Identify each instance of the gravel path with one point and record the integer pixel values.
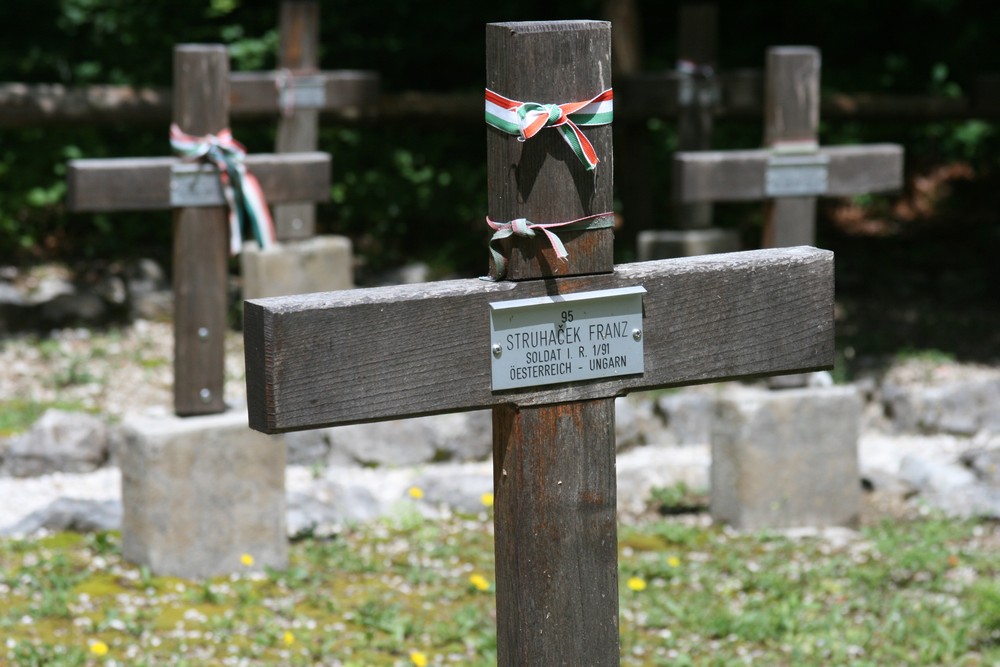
(124, 370)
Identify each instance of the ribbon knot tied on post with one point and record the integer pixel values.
(241, 188)
(525, 228)
(526, 119)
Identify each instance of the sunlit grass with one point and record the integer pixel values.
(410, 591)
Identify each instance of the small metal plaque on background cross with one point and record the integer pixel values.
(305, 92)
(195, 185)
(796, 175)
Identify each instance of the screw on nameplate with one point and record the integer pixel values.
(566, 338)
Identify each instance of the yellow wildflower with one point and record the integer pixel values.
(636, 584)
(416, 492)
(247, 560)
(419, 659)
(99, 648)
(674, 561)
(479, 581)
(487, 499)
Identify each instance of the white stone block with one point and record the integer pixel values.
(785, 459)
(199, 492)
(318, 264)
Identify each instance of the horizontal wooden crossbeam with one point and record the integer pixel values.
(721, 176)
(372, 354)
(339, 90)
(144, 184)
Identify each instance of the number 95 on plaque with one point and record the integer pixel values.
(566, 338)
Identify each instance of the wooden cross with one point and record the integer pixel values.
(696, 89)
(201, 237)
(792, 170)
(699, 94)
(300, 91)
(524, 345)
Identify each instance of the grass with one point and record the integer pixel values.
(17, 415)
(405, 590)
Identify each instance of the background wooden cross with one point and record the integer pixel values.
(792, 169)
(299, 91)
(699, 94)
(385, 353)
(696, 87)
(201, 237)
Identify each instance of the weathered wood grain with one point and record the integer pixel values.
(697, 48)
(569, 534)
(298, 128)
(256, 93)
(553, 62)
(347, 91)
(298, 34)
(370, 354)
(384, 353)
(740, 175)
(556, 538)
(201, 233)
(201, 74)
(791, 98)
(143, 184)
(791, 116)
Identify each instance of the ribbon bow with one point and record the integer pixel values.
(241, 188)
(524, 228)
(526, 119)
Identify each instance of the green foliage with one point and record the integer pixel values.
(405, 193)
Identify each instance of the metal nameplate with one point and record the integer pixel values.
(305, 92)
(566, 338)
(796, 175)
(195, 185)
(697, 90)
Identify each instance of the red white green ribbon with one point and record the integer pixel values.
(241, 188)
(525, 228)
(526, 119)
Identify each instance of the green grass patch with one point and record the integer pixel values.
(915, 593)
(928, 356)
(17, 414)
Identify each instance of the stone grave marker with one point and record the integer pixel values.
(192, 501)
(298, 91)
(549, 347)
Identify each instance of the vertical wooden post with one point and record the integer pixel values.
(541, 179)
(554, 466)
(635, 182)
(556, 534)
(791, 122)
(201, 241)
(299, 53)
(697, 56)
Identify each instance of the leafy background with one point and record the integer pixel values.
(417, 192)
